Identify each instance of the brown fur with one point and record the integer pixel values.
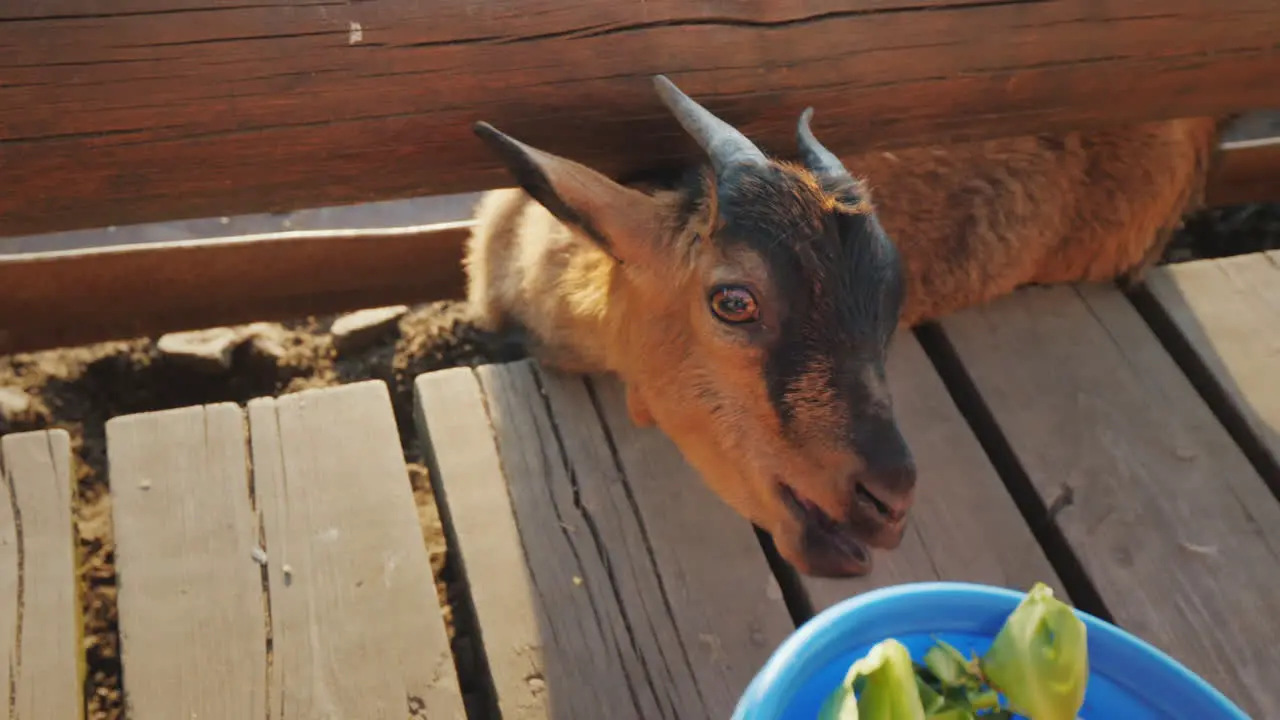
(971, 222)
(974, 222)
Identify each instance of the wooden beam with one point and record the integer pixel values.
(357, 630)
(281, 577)
(40, 618)
(146, 289)
(1249, 172)
(191, 608)
(165, 109)
(1218, 319)
(71, 298)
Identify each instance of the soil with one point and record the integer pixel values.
(80, 388)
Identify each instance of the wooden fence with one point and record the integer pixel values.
(151, 110)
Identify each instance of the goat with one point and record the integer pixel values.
(748, 304)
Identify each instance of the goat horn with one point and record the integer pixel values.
(720, 140)
(819, 160)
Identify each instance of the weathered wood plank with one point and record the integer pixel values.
(1248, 171)
(152, 289)
(39, 604)
(357, 630)
(470, 490)
(1228, 311)
(168, 109)
(193, 618)
(607, 580)
(1179, 535)
(964, 526)
(1254, 125)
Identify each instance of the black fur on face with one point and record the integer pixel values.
(838, 288)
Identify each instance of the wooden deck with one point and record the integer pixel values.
(271, 563)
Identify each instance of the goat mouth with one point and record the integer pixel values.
(876, 507)
(820, 528)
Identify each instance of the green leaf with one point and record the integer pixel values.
(1039, 660)
(952, 651)
(880, 686)
(945, 666)
(930, 699)
(984, 699)
(840, 705)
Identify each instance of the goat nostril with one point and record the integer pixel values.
(885, 510)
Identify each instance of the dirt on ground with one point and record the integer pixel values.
(79, 389)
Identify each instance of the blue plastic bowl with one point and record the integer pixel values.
(1128, 677)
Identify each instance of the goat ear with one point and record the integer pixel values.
(619, 219)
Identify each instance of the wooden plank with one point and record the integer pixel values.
(171, 109)
(1248, 171)
(354, 625)
(607, 580)
(40, 622)
(193, 619)
(152, 289)
(357, 630)
(398, 216)
(1254, 125)
(1228, 311)
(964, 525)
(1179, 535)
(470, 490)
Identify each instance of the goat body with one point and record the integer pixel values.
(787, 416)
(975, 222)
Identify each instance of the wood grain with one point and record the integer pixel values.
(1178, 534)
(1228, 311)
(964, 525)
(357, 630)
(193, 617)
(471, 493)
(40, 623)
(168, 109)
(146, 290)
(575, 529)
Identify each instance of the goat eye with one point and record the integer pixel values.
(734, 305)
